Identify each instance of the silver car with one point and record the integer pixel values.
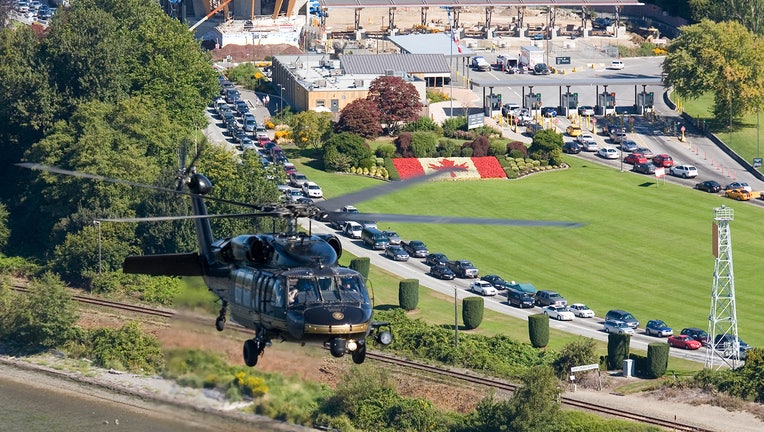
(618, 327)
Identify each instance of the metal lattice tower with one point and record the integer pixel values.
(722, 320)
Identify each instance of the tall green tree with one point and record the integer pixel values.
(536, 405)
(5, 231)
(724, 58)
(749, 13)
(46, 317)
(311, 128)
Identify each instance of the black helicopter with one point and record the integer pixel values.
(285, 286)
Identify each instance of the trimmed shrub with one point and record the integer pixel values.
(472, 312)
(640, 364)
(466, 152)
(497, 149)
(538, 330)
(617, 350)
(657, 359)
(408, 294)
(385, 151)
(391, 170)
(361, 265)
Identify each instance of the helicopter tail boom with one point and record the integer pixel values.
(186, 264)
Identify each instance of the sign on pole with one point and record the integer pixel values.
(585, 367)
(475, 120)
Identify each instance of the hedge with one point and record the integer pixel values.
(472, 312)
(657, 359)
(617, 350)
(538, 330)
(408, 294)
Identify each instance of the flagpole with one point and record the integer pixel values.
(451, 62)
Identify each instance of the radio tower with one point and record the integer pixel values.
(722, 320)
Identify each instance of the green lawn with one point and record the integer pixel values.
(644, 248)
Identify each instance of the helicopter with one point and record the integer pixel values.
(286, 285)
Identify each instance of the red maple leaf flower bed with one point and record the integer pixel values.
(408, 167)
(489, 167)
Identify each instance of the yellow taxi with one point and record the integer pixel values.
(573, 130)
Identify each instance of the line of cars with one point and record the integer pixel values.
(740, 191)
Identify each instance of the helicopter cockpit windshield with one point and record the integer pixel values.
(326, 289)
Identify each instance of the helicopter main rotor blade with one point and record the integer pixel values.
(187, 217)
(383, 189)
(387, 217)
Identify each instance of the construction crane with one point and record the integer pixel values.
(213, 12)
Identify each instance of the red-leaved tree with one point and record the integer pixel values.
(397, 101)
(360, 117)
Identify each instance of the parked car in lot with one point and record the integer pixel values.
(607, 153)
(708, 186)
(739, 185)
(519, 298)
(617, 327)
(396, 253)
(581, 310)
(628, 145)
(463, 268)
(573, 130)
(352, 229)
(684, 171)
(434, 259)
(622, 315)
(571, 147)
(699, 335)
(634, 158)
(738, 194)
(644, 168)
(560, 313)
(550, 298)
(663, 160)
(415, 248)
(483, 288)
(440, 271)
(392, 237)
(497, 281)
(586, 110)
(658, 328)
(683, 341)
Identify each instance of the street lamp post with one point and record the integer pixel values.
(758, 155)
(281, 98)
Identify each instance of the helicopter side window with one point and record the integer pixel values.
(278, 298)
(350, 290)
(329, 291)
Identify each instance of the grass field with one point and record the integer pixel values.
(643, 248)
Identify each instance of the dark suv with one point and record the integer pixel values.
(546, 298)
(699, 335)
(463, 269)
(622, 315)
(519, 298)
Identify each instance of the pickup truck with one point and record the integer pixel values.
(479, 63)
(463, 269)
(415, 248)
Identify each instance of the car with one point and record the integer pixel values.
(644, 151)
(634, 158)
(509, 109)
(739, 185)
(608, 153)
(532, 128)
(548, 112)
(352, 229)
(617, 327)
(537, 36)
(434, 259)
(249, 122)
(497, 281)
(616, 65)
(587, 141)
(699, 335)
(581, 310)
(288, 167)
(663, 160)
(293, 194)
(683, 341)
(573, 130)
(463, 268)
(241, 107)
(483, 288)
(247, 144)
(440, 271)
(586, 110)
(658, 328)
(738, 194)
(519, 298)
(541, 69)
(396, 253)
(392, 237)
(644, 168)
(708, 186)
(416, 248)
(524, 287)
(618, 136)
(725, 343)
(522, 116)
(684, 171)
(550, 298)
(571, 147)
(312, 190)
(560, 313)
(622, 315)
(296, 179)
(628, 145)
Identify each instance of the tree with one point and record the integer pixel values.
(546, 143)
(397, 101)
(47, 316)
(749, 13)
(345, 150)
(311, 128)
(5, 232)
(576, 353)
(423, 144)
(723, 58)
(360, 117)
(536, 404)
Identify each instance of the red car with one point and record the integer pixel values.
(634, 158)
(663, 160)
(683, 341)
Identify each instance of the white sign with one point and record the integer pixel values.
(660, 172)
(584, 367)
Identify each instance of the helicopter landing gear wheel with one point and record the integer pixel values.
(251, 352)
(359, 355)
(220, 321)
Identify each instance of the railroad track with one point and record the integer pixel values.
(492, 383)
